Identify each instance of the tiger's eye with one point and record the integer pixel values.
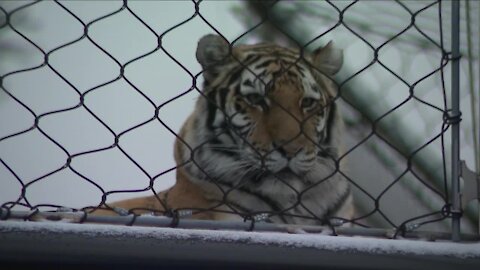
(308, 103)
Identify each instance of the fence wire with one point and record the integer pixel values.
(256, 219)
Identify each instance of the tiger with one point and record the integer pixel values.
(264, 138)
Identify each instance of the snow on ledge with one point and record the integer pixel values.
(315, 241)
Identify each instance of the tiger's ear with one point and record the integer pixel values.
(212, 50)
(328, 59)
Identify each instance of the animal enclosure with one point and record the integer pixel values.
(90, 108)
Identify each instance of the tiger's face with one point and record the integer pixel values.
(280, 115)
(268, 108)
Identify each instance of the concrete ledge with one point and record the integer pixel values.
(107, 246)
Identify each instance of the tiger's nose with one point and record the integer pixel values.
(288, 150)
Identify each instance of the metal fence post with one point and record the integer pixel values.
(477, 153)
(455, 112)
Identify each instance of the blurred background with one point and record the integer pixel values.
(74, 75)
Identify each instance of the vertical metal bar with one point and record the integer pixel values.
(478, 115)
(455, 111)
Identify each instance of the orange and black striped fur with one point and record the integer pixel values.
(264, 138)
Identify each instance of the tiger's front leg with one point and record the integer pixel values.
(184, 195)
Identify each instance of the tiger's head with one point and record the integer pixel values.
(267, 109)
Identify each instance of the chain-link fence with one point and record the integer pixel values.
(90, 116)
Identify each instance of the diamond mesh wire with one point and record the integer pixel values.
(120, 132)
